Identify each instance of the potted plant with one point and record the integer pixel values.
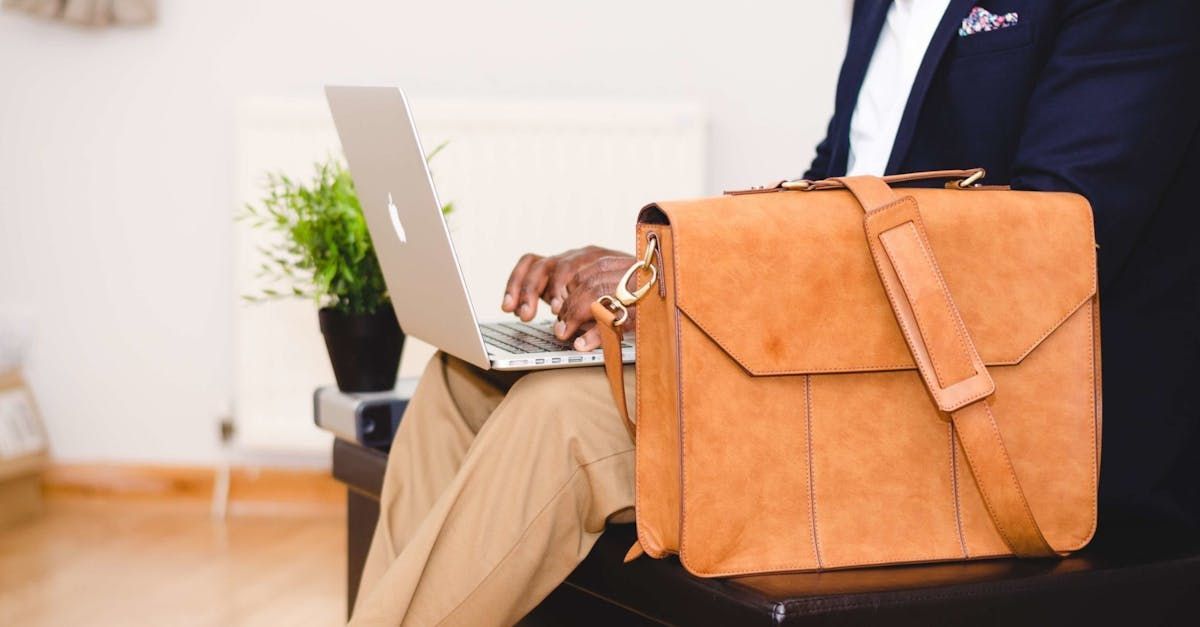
(322, 251)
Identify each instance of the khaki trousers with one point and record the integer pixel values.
(497, 486)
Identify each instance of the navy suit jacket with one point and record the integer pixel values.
(1099, 97)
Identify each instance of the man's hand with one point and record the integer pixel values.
(569, 282)
(591, 282)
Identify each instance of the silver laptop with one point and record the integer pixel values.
(415, 252)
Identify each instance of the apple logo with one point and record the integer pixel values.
(394, 213)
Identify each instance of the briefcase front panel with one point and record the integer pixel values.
(803, 434)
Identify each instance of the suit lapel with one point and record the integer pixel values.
(864, 34)
(946, 31)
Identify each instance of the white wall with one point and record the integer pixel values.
(116, 171)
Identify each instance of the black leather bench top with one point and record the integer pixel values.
(1110, 582)
(1126, 576)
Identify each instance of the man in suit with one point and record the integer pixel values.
(1102, 98)
(496, 489)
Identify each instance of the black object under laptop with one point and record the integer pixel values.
(366, 418)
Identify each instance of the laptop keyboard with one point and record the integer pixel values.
(518, 338)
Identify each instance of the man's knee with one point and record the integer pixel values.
(569, 399)
(547, 391)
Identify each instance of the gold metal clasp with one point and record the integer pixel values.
(646, 263)
(612, 304)
(619, 302)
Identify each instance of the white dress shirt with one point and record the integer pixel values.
(902, 43)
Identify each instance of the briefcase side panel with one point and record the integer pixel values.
(657, 456)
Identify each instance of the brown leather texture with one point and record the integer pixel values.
(822, 374)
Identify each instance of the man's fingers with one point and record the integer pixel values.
(509, 302)
(568, 267)
(568, 282)
(556, 289)
(556, 300)
(532, 286)
(575, 312)
(589, 341)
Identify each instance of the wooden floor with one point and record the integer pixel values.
(89, 561)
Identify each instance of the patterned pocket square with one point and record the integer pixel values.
(981, 21)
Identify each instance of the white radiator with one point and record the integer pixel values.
(524, 176)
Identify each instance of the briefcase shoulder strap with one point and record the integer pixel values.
(611, 336)
(945, 355)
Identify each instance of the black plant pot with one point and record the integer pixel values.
(364, 349)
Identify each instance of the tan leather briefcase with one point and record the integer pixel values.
(835, 374)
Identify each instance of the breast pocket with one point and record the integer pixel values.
(1016, 36)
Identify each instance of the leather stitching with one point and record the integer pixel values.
(962, 542)
(920, 324)
(906, 284)
(874, 367)
(682, 487)
(782, 568)
(683, 535)
(1054, 327)
(798, 567)
(1078, 542)
(883, 559)
(683, 484)
(972, 399)
(891, 296)
(677, 243)
(964, 340)
(872, 245)
(987, 499)
(789, 567)
(888, 559)
(742, 362)
(637, 425)
(1012, 475)
(1094, 492)
(812, 491)
(1002, 361)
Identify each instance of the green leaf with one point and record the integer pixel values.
(320, 247)
(433, 153)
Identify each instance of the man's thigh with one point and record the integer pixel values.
(565, 407)
(474, 391)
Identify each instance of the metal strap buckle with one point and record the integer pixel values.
(624, 298)
(627, 297)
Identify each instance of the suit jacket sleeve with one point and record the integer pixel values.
(1113, 112)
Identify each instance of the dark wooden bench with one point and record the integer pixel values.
(1126, 576)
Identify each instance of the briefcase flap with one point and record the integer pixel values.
(785, 284)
